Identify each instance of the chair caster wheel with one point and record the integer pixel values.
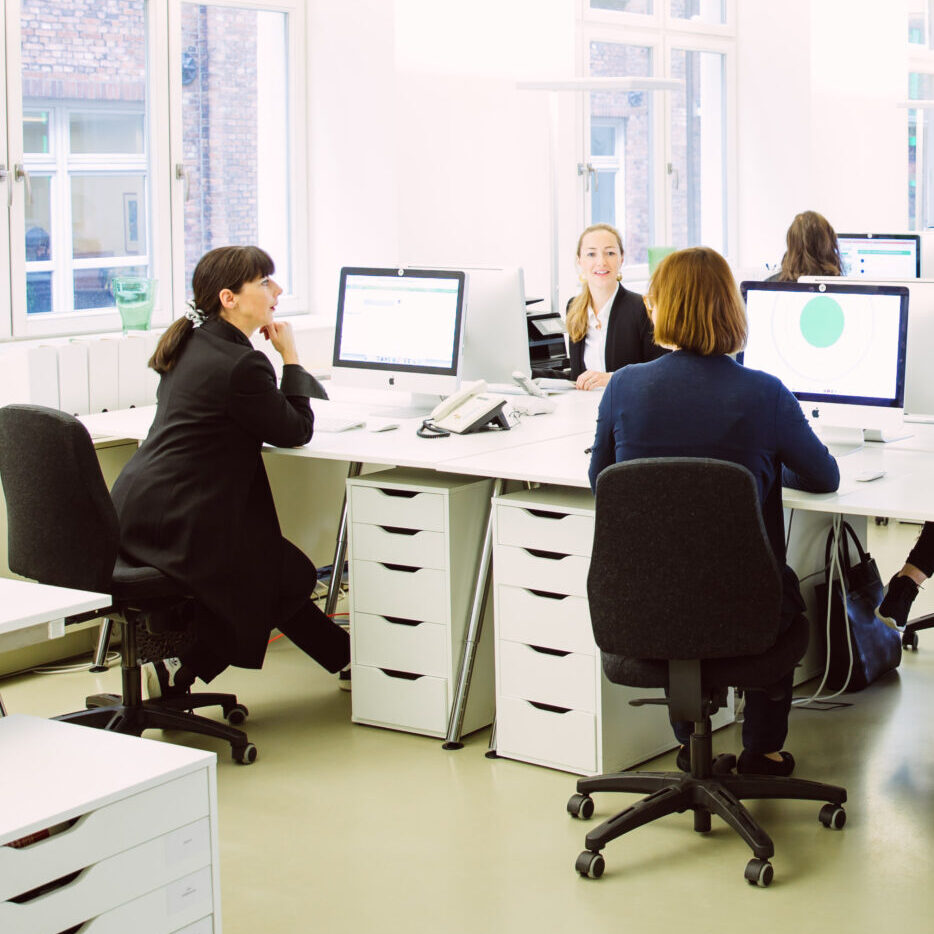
(759, 872)
(832, 816)
(910, 641)
(580, 806)
(590, 865)
(245, 755)
(236, 715)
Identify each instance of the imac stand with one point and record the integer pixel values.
(420, 406)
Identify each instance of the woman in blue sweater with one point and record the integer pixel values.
(698, 402)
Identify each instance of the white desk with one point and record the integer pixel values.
(133, 820)
(31, 613)
(551, 449)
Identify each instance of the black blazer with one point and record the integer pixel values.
(195, 502)
(629, 336)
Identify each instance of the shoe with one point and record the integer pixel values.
(161, 679)
(754, 763)
(895, 607)
(343, 679)
(722, 764)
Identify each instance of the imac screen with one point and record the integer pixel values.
(880, 256)
(843, 344)
(399, 320)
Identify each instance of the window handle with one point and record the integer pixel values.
(181, 173)
(21, 175)
(675, 182)
(589, 172)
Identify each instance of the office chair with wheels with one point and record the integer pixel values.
(63, 531)
(911, 630)
(685, 594)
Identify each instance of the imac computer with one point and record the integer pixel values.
(400, 329)
(840, 348)
(880, 256)
(496, 336)
(919, 376)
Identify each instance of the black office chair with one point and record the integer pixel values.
(685, 594)
(63, 531)
(910, 632)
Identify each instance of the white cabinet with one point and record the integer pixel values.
(415, 544)
(554, 705)
(120, 833)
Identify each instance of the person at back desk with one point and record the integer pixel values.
(194, 500)
(608, 325)
(698, 402)
(812, 249)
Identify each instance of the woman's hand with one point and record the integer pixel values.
(280, 333)
(592, 379)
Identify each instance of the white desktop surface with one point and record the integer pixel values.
(26, 603)
(550, 449)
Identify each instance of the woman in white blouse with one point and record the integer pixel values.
(608, 325)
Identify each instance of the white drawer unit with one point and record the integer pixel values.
(415, 544)
(554, 705)
(108, 834)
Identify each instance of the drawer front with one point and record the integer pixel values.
(562, 680)
(182, 905)
(398, 507)
(406, 645)
(551, 571)
(541, 618)
(112, 882)
(564, 740)
(104, 831)
(204, 926)
(544, 528)
(399, 546)
(418, 705)
(384, 590)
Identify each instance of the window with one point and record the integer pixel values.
(655, 163)
(146, 133)
(920, 118)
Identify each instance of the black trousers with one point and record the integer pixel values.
(309, 628)
(922, 555)
(765, 718)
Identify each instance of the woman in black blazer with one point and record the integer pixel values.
(195, 502)
(608, 325)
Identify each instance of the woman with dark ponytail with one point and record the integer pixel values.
(195, 502)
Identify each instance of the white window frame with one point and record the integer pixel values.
(165, 232)
(663, 33)
(921, 61)
(297, 300)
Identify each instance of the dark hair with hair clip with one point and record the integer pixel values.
(226, 267)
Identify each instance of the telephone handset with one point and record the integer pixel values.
(469, 409)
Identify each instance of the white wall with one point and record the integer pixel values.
(423, 151)
(819, 129)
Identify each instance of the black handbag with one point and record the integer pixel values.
(876, 648)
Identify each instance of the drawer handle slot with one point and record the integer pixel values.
(550, 555)
(38, 836)
(403, 675)
(402, 621)
(396, 530)
(551, 708)
(548, 595)
(542, 650)
(404, 568)
(404, 494)
(544, 514)
(46, 888)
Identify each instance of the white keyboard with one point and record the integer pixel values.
(332, 423)
(554, 385)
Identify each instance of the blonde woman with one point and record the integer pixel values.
(607, 324)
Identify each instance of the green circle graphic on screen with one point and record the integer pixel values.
(822, 321)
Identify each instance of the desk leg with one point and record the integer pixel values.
(2, 708)
(474, 625)
(340, 549)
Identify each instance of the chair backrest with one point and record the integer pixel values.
(62, 525)
(681, 566)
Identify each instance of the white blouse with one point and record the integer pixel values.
(595, 340)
